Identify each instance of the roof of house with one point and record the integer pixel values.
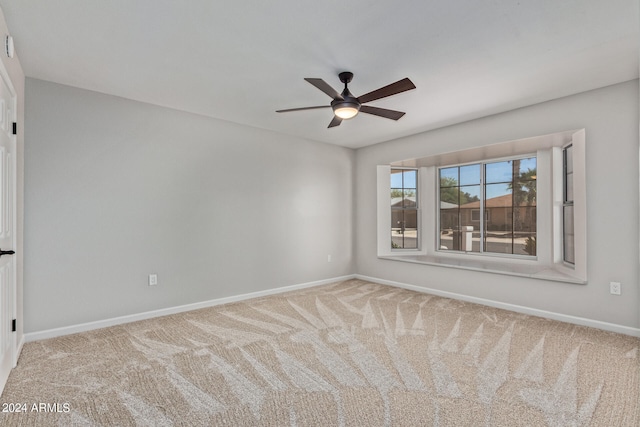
(503, 201)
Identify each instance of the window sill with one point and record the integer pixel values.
(519, 269)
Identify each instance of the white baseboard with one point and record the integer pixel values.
(612, 327)
(67, 330)
(83, 327)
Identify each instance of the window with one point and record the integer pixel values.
(460, 189)
(404, 209)
(475, 215)
(524, 200)
(505, 191)
(568, 241)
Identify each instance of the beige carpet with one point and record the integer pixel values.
(351, 353)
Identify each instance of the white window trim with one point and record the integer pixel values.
(548, 264)
(579, 268)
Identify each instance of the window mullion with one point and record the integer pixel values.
(483, 196)
(513, 206)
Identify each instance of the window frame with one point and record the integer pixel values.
(566, 204)
(482, 203)
(404, 209)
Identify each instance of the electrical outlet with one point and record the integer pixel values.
(153, 279)
(328, 258)
(615, 288)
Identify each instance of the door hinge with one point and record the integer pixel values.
(13, 325)
(15, 128)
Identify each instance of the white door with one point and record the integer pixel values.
(7, 227)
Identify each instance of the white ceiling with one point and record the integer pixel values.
(242, 60)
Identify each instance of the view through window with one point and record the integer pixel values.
(404, 209)
(489, 207)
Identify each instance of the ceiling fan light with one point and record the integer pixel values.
(345, 108)
(346, 113)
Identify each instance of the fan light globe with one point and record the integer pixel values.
(347, 107)
(346, 112)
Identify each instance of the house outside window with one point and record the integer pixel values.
(475, 215)
(404, 209)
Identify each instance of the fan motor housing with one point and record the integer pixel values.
(347, 102)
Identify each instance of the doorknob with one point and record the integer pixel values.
(6, 252)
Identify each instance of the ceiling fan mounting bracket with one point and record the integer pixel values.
(345, 77)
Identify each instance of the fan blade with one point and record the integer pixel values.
(324, 86)
(335, 122)
(392, 89)
(382, 112)
(303, 108)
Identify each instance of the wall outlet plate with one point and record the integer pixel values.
(153, 279)
(615, 288)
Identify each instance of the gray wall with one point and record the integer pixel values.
(117, 189)
(610, 117)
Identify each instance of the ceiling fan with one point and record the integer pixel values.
(346, 106)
